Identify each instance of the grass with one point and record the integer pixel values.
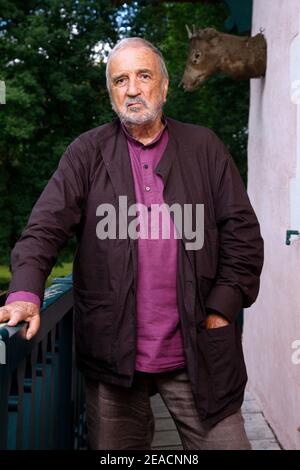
(57, 271)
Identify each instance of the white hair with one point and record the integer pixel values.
(136, 41)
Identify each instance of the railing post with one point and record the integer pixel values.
(4, 394)
(65, 421)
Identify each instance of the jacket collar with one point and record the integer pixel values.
(117, 160)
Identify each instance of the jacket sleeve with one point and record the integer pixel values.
(52, 222)
(241, 246)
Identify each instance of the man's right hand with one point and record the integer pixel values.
(18, 311)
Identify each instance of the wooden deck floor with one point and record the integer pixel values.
(258, 430)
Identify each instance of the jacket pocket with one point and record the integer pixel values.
(94, 313)
(225, 360)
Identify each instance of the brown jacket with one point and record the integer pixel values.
(223, 275)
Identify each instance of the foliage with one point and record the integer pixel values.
(57, 271)
(55, 91)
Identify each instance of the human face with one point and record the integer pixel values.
(137, 88)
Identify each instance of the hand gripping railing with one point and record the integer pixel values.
(41, 391)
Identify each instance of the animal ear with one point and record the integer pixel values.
(199, 33)
(211, 35)
(209, 32)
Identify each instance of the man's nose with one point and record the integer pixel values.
(133, 87)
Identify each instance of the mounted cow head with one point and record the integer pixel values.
(211, 51)
(201, 62)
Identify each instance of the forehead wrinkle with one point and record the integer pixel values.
(126, 72)
(150, 62)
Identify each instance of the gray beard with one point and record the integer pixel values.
(132, 119)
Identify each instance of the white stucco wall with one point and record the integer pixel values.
(272, 324)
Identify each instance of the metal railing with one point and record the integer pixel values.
(41, 391)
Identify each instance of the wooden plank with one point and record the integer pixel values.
(166, 436)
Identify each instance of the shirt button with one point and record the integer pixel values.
(146, 166)
(149, 208)
(147, 188)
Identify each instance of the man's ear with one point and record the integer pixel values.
(165, 88)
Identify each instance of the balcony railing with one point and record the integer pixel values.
(41, 391)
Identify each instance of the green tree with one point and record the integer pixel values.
(55, 91)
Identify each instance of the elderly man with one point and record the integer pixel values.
(152, 314)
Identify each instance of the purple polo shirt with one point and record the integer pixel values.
(159, 338)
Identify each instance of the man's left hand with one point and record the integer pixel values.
(214, 320)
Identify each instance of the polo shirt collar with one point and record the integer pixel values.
(154, 141)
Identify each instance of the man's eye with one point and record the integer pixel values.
(145, 76)
(120, 81)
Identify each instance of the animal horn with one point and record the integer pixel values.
(194, 30)
(190, 34)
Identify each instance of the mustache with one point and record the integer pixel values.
(135, 100)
